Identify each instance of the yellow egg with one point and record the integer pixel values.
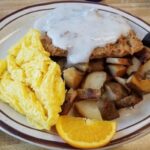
(31, 82)
(3, 66)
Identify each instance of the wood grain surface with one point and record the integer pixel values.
(140, 8)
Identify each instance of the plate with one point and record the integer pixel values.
(133, 123)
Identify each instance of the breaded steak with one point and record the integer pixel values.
(124, 46)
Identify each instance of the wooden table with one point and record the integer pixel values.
(140, 8)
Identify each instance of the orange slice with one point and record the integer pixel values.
(85, 133)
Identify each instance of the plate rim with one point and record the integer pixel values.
(67, 1)
(129, 137)
(45, 144)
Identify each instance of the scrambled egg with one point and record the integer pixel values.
(31, 82)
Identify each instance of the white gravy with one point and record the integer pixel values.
(79, 30)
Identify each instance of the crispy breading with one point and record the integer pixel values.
(124, 46)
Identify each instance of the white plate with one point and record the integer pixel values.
(133, 123)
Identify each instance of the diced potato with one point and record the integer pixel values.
(94, 80)
(70, 98)
(118, 61)
(95, 65)
(73, 112)
(88, 94)
(144, 70)
(122, 81)
(82, 66)
(134, 67)
(89, 109)
(72, 77)
(108, 109)
(114, 91)
(128, 101)
(117, 70)
(138, 84)
(144, 55)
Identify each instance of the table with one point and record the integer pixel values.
(140, 8)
